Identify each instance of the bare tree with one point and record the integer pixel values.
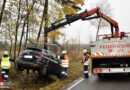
(24, 24)
(27, 27)
(104, 8)
(44, 16)
(16, 30)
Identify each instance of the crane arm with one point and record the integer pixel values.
(84, 16)
(69, 19)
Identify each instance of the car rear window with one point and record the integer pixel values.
(31, 52)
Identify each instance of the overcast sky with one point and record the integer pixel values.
(84, 30)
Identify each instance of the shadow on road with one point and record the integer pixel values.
(116, 77)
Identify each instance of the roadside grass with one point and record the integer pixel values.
(51, 82)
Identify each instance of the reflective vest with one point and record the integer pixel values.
(65, 62)
(86, 62)
(5, 63)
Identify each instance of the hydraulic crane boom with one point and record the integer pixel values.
(84, 16)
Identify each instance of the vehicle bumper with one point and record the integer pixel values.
(111, 70)
(28, 65)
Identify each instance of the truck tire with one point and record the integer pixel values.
(100, 76)
(128, 74)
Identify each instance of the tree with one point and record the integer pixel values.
(60, 10)
(1, 14)
(44, 17)
(24, 24)
(104, 8)
(23, 20)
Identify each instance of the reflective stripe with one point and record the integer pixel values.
(86, 63)
(65, 63)
(3, 71)
(6, 76)
(5, 67)
(63, 72)
(85, 71)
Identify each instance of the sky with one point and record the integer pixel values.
(84, 32)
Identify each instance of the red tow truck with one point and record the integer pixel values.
(111, 52)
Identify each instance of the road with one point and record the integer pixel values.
(112, 82)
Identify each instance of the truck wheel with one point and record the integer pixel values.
(100, 76)
(128, 74)
(105, 75)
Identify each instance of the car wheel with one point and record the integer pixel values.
(20, 68)
(42, 71)
(59, 76)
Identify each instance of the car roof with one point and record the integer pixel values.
(35, 49)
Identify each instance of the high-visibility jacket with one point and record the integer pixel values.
(86, 60)
(65, 61)
(5, 63)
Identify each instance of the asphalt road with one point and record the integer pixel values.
(112, 82)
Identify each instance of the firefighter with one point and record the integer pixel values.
(65, 63)
(5, 65)
(85, 60)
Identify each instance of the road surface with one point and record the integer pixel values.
(112, 82)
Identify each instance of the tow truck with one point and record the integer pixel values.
(110, 53)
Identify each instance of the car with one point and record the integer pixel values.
(41, 60)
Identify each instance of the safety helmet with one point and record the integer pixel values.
(6, 52)
(84, 51)
(64, 52)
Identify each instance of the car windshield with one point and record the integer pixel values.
(50, 54)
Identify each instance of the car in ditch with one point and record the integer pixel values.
(41, 60)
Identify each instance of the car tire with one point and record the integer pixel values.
(42, 71)
(59, 76)
(19, 68)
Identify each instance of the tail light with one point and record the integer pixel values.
(39, 57)
(97, 70)
(37, 65)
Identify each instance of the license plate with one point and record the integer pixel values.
(28, 56)
(116, 70)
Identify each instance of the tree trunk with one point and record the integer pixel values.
(98, 29)
(44, 17)
(45, 34)
(27, 28)
(11, 41)
(16, 30)
(1, 14)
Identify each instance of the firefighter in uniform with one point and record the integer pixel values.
(5, 65)
(85, 60)
(65, 63)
